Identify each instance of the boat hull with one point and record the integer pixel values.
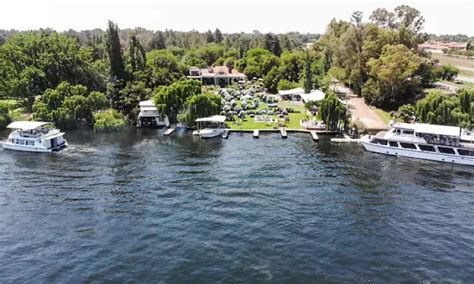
(24, 148)
(211, 133)
(387, 150)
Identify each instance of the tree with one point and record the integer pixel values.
(209, 37)
(218, 36)
(69, 106)
(396, 65)
(109, 120)
(291, 65)
(137, 54)
(308, 78)
(170, 99)
(437, 108)
(449, 72)
(333, 112)
(285, 43)
(272, 43)
(257, 63)
(5, 118)
(157, 41)
(200, 105)
(164, 67)
(114, 52)
(271, 80)
(31, 62)
(383, 18)
(409, 18)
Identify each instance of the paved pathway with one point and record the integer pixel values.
(360, 110)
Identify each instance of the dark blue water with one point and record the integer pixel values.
(138, 206)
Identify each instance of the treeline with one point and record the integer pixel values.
(449, 38)
(379, 58)
(187, 40)
(64, 77)
(43, 70)
(438, 108)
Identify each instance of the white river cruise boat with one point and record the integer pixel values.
(424, 141)
(34, 136)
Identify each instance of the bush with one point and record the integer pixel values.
(108, 121)
(4, 116)
(287, 85)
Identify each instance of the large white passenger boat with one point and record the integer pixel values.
(424, 141)
(34, 136)
(209, 127)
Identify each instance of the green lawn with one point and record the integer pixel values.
(456, 61)
(384, 115)
(294, 122)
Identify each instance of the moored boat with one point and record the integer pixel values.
(422, 141)
(210, 127)
(312, 125)
(34, 136)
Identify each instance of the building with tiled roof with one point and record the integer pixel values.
(438, 47)
(216, 75)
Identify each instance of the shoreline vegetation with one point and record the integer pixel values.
(96, 79)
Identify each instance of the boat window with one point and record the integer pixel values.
(446, 150)
(464, 152)
(427, 148)
(393, 144)
(398, 131)
(382, 142)
(375, 141)
(410, 132)
(407, 145)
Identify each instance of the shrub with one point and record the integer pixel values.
(108, 121)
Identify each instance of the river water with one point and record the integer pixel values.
(137, 206)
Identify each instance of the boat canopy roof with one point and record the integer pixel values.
(430, 128)
(27, 125)
(214, 118)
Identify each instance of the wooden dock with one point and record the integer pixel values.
(283, 133)
(170, 131)
(256, 133)
(314, 135)
(346, 139)
(226, 133)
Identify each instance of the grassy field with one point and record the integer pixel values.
(384, 115)
(460, 84)
(294, 122)
(457, 61)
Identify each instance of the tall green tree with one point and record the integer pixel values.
(157, 41)
(114, 52)
(218, 36)
(137, 54)
(333, 112)
(272, 43)
(308, 76)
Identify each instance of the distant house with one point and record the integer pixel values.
(217, 75)
(149, 116)
(437, 47)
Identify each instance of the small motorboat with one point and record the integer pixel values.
(210, 127)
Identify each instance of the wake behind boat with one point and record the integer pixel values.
(209, 127)
(34, 136)
(424, 141)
